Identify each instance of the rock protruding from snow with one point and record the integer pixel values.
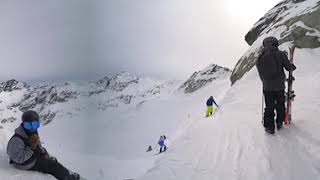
(12, 85)
(201, 78)
(308, 19)
(43, 96)
(120, 81)
(40, 98)
(117, 83)
(104, 82)
(295, 21)
(297, 1)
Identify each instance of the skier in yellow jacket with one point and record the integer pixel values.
(210, 103)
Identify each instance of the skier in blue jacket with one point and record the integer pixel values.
(163, 147)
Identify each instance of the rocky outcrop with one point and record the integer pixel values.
(202, 78)
(37, 98)
(296, 21)
(12, 85)
(43, 96)
(120, 81)
(117, 82)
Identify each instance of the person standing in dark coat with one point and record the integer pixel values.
(271, 64)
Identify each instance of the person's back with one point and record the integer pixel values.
(271, 64)
(209, 104)
(210, 101)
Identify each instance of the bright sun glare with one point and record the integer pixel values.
(248, 10)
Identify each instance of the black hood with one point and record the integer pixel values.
(270, 41)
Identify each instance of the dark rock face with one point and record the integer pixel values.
(117, 82)
(37, 98)
(243, 66)
(44, 96)
(8, 120)
(311, 19)
(201, 78)
(253, 34)
(47, 117)
(153, 91)
(297, 1)
(104, 82)
(302, 29)
(267, 21)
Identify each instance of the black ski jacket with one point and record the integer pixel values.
(278, 83)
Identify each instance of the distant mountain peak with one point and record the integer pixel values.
(201, 78)
(117, 82)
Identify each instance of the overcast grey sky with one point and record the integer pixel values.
(76, 39)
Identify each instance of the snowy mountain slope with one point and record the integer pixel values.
(201, 78)
(104, 130)
(47, 99)
(131, 131)
(233, 145)
(71, 103)
(289, 21)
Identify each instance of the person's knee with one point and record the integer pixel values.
(269, 112)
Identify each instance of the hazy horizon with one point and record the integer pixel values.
(82, 39)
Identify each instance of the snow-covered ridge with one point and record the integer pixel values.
(291, 21)
(201, 78)
(51, 100)
(122, 89)
(118, 82)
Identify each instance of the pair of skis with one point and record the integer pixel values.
(290, 93)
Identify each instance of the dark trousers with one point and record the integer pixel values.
(50, 166)
(275, 100)
(164, 148)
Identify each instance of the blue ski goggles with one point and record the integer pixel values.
(31, 125)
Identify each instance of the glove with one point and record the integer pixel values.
(33, 141)
(46, 156)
